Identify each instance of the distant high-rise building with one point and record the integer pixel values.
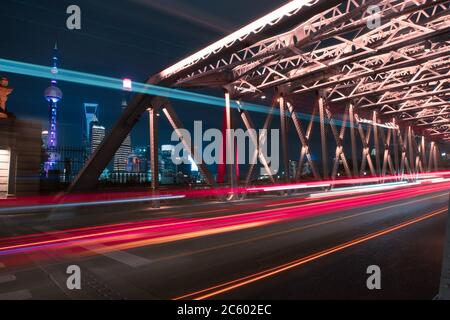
(91, 117)
(135, 164)
(175, 173)
(53, 95)
(167, 169)
(97, 135)
(143, 154)
(44, 137)
(121, 157)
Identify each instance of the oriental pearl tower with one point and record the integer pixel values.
(53, 95)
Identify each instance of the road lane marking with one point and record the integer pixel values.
(16, 295)
(119, 256)
(231, 285)
(274, 234)
(7, 278)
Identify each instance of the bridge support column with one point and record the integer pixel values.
(396, 145)
(376, 138)
(436, 157)
(284, 138)
(351, 113)
(433, 159)
(323, 137)
(423, 153)
(411, 150)
(417, 161)
(230, 147)
(154, 166)
(154, 162)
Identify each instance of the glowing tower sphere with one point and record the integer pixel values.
(53, 94)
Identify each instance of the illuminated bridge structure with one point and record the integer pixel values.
(379, 71)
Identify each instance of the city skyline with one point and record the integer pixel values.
(107, 46)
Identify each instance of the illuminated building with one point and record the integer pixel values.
(172, 173)
(90, 117)
(121, 156)
(142, 153)
(97, 135)
(135, 164)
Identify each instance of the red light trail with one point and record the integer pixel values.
(78, 242)
(30, 204)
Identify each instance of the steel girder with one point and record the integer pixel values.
(405, 58)
(337, 19)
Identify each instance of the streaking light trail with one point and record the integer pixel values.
(88, 79)
(88, 203)
(150, 232)
(362, 189)
(31, 204)
(292, 187)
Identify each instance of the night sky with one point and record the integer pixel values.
(119, 38)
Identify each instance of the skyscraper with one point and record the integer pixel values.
(90, 113)
(121, 157)
(97, 135)
(53, 95)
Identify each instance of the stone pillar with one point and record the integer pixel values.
(12, 174)
(20, 141)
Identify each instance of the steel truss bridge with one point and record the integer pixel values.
(369, 62)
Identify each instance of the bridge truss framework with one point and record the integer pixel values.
(379, 70)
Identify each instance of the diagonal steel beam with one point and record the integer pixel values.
(246, 119)
(304, 140)
(187, 143)
(339, 137)
(87, 179)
